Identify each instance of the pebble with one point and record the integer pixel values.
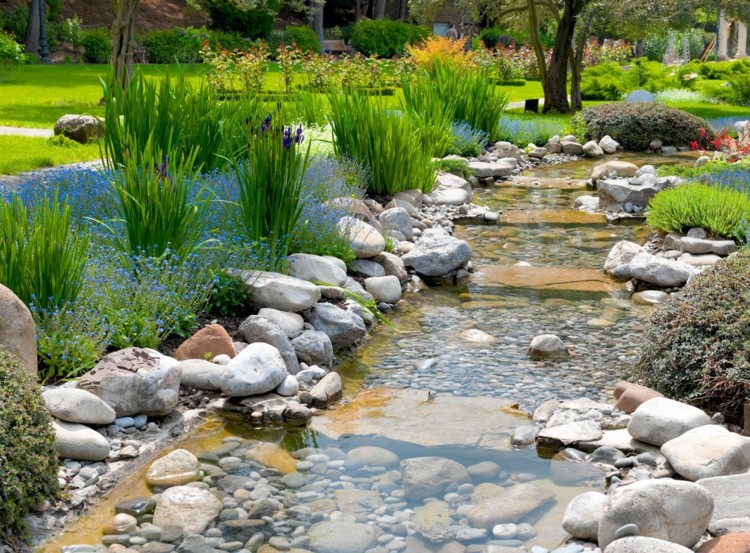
(627, 530)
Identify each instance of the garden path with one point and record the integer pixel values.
(25, 131)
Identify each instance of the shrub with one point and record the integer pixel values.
(229, 295)
(304, 37)
(655, 45)
(227, 15)
(385, 38)
(388, 144)
(634, 126)
(438, 49)
(466, 141)
(42, 258)
(29, 459)
(719, 210)
(10, 51)
(175, 45)
(492, 36)
(607, 81)
(97, 46)
(522, 130)
(696, 346)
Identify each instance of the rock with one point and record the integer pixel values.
(609, 145)
(297, 414)
(620, 255)
(78, 406)
(698, 246)
(706, 260)
(547, 346)
(495, 170)
(135, 381)
(620, 168)
(541, 152)
(315, 268)
(365, 240)
(449, 181)
(450, 197)
(564, 435)
(79, 442)
(586, 203)
(187, 506)
(707, 451)
(581, 518)
(659, 271)
(288, 387)
(737, 542)
(477, 336)
(649, 297)
(174, 469)
(393, 265)
(495, 505)
(313, 348)
(659, 420)
(368, 267)
(592, 149)
(571, 148)
(257, 369)
(280, 292)
(370, 456)
(413, 197)
(200, 374)
(356, 208)
(342, 537)
(397, 218)
(437, 253)
(121, 523)
(386, 288)
(614, 194)
(81, 128)
(630, 396)
(17, 330)
(639, 544)
(343, 327)
(430, 476)
(666, 509)
(207, 343)
(731, 502)
(291, 323)
(553, 147)
(257, 329)
(327, 390)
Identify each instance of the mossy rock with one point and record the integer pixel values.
(28, 458)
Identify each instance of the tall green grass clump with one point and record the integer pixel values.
(720, 210)
(185, 120)
(466, 94)
(270, 186)
(388, 143)
(431, 113)
(42, 257)
(159, 211)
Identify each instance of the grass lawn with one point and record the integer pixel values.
(23, 153)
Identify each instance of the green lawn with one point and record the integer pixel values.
(23, 153)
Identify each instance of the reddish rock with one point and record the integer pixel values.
(206, 344)
(738, 542)
(629, 396)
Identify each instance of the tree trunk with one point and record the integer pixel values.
(535, 42)
(123, 41)
(576, 66)
(318, 24)
(32, 30)
(357, 10)
(555, 85)
(370, 8)
(639, 48)
(402, 10)
(379, 9)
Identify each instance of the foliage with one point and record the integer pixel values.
(695, 346)
(437, 49)
(514, 62)
(180, 45)
(28, 461)
(318, 71)
(10, 51)
(239, 70)
(384, 37)
(254, 23)
(42, 256)
(171, 113)
(466, 141)
(270, 185)
(655, 45)
(388, 144)
(594, 53)
(522, 130)
(493, 36)
(326, 182)
(229, 295)
(739, 88)
(72, 31)
(156, 210)
(456, 166)
(720, 210)
(97, 45)
(609, 81)
(634, 126)
(304, 38)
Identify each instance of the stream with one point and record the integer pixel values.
(448, 380)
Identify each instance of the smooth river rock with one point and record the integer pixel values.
(315, 268)
(365, 240)
(79, 442)
(314, 348)
(436, 253)
(503, 505)
(190, 507)
(262, 329)
(640, 544)
(731, 502)
(547, 346)
(666, 509)
(707, 451)
(659, 271)
(581, 519)
(257, 369)
(343, 327)
(17, 330)
(177, 468)
(79, 406)
(207, 343)
(429, 476)
(280, 292)
(343, 537)
(660, 419)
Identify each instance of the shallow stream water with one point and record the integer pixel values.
(462, 350)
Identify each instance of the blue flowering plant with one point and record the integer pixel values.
(466, 141)
(270, 181)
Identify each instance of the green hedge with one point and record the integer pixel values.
(304, 37)
(97, 46)
(384, 37)
(254, 24)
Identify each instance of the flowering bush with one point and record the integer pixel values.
(732, 148)
(318, 71)
(522, 130)
(288, 59)
(225, 70)
(466, 141)
(518, 62)
(440, 49)
(618, 52)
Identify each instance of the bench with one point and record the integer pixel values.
(336, 47)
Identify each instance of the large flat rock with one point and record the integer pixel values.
(551, 278)
(563, 217)
(411, 416)
(561, 183)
